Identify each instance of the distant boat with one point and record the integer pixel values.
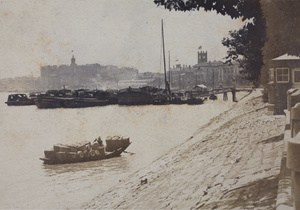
(161, 98)
(194, 98)
(75, 99)
(136, 96)
(53, 98)
(194, 101)
(86, 151)
(19, 100)
(85, 98)
(178, 98)
(213, 97)
(143, 96)
(111, 96)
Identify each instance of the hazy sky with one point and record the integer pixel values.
(117, 32)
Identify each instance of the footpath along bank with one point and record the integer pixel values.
(231, 162)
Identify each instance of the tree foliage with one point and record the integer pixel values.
(245, 45)
(223, 7)
(240, 49)
(283, 29)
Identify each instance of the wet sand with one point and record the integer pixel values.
(233, 162)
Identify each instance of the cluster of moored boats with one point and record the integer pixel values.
(86, 151)
(75, 99)
(65, 98)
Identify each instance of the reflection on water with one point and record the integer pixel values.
(27, 131)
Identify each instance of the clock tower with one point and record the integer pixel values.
(202, 57)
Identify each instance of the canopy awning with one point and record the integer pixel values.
(286, 57)
(201, 86)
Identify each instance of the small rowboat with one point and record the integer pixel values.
(86, 151)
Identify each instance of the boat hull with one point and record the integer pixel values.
(195, 101)
(20, 103)
(74, 158)
(48, 103)
(59, 102)
(135, 98)
(213, 97)
(81, 103)
(178, 101)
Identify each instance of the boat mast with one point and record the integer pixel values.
(164, 56)
(169, 71)
(213, 81)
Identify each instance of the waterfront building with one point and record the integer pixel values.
(212, 74)
(133, 83)
(91, 76)
(217, 73)
(20, 84)
(96, 76)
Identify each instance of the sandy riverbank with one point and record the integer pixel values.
(231, 162)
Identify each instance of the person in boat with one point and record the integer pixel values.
(100, 142)
(11, 98)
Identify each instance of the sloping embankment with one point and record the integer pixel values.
(231, 162)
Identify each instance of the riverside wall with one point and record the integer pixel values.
(233, 162)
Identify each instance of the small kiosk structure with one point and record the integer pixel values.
(284, 74)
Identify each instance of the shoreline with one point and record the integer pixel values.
(233, 161)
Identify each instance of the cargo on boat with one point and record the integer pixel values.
(86, 151)
(19, 100)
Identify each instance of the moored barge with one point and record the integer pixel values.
(19, 100)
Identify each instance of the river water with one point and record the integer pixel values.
(25, 132)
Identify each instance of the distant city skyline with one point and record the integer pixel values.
(109, 32)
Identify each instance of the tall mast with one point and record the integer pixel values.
(169, 70)
(164, 56)
(213, 81)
